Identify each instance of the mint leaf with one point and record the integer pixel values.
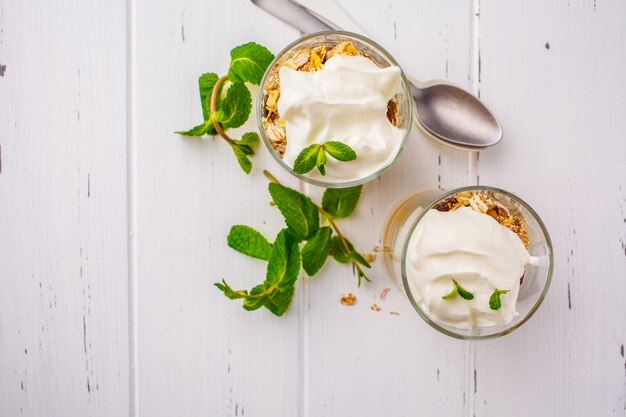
(457, 289)
(234, 109)
(494, 301)
(338, 251)
(204, 128)
(452, 293)
(247, 142)
(361, 275)
(284, 262)
(340, 151)
(249, 242)
(341, 202)
(306, 159)
(242, 158)
(463, 292)
(249, 138)
(278, 302)
(248, 63)
(300, 213)
(257, 297)
(321, 161)
(315, 251)
(206, 83)
(356, 256)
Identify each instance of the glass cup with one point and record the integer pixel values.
(373, 51)
(405, 217)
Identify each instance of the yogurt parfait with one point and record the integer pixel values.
(475, 262)
(335, 109)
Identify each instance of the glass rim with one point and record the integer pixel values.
(537, 303)
(314, 181)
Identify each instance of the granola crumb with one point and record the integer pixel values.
(374, 307)
(383, 293)
(348, 299)
(394, 313)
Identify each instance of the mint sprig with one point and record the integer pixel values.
(494, 301)
(276, 291)
(231, 110)
(457, 289)
(315, 155)
(288, 252)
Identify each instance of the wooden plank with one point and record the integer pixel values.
(556, 72)
(200, 353)
(361, 362)
(63, 256)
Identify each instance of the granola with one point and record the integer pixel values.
(308, 60)
(483, 202)
(383, 293)
(348, 299)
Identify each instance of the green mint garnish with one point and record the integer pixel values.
(206, 82)
(494, 300)
(276, 292)
(248, 63)
(321, 160)
(249, 242)
(235, 107)
(285, 257)
(457, 289)
(298, 210)
(307, 159)
(315, 251)
(343, 252)
(315, 155)
(341, 202)
(340, 151)
(232, 109)
(452, 293)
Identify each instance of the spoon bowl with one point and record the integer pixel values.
(453, 115)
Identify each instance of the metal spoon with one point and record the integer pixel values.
(446, 112)
(455, 116)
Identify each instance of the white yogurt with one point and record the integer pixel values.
(476, 251)
(346, 101)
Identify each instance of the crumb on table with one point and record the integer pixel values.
(383, 293)
(348, 299)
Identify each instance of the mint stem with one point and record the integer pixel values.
(271, 177)
(213, 109)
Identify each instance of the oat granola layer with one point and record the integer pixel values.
(484, 202)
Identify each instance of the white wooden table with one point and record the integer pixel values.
(112, 228)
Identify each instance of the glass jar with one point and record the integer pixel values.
(366, 47)
(403, 221)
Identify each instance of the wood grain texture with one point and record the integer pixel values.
(201, 354)
(362, 362)
(63, 265)
(556, 72)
